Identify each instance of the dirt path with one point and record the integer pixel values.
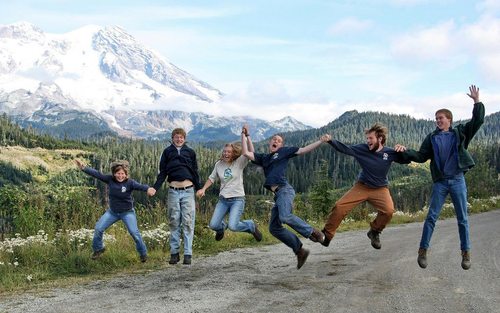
(348, 276)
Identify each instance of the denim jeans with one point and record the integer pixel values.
(457, 189)
(181, 215)
(281, 213)
(233, 206)
(109, 218)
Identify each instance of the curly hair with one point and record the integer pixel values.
(120, 165)
(380, 130)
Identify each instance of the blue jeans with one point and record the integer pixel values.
(457, 189)
(109, 218)
(281, 213)
(233, 206)
(181, 215)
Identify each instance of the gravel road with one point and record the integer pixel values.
(348, 276)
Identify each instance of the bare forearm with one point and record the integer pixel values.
(309, 147)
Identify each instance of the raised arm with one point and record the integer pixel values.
(314, 145)
(249, 141)
(245, 149)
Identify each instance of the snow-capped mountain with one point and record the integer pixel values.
(103, 79)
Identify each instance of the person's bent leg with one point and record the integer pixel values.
(237, 205)
(356, 195)
(284, 235)
(106, 220)
(217, 221)
(129, 218)
(381, 199)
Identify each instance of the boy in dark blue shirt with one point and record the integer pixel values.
(375, 161)
(275, 164)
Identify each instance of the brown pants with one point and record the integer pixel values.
(380, 198)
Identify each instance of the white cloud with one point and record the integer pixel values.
(349, 25)
(435, 43)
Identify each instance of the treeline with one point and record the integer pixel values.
(319, 177)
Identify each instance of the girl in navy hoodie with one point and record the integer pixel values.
(121, 205)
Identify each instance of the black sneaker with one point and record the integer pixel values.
(187, 260)
(257, 234)
(97, 254)
(144, 258)
(374, 237)
(219, 235)
(302, 257)
(174, 258)
(317, 236)
(422, 258)
(327, 241)
(466, 260)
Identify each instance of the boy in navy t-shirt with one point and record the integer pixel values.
(375, 160)
(275, 164)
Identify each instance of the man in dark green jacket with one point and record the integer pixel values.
(446, 147)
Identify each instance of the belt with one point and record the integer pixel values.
(181, 188)
(276, 190)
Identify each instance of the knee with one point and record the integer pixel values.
(232, 226)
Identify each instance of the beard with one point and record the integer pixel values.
(375, 147)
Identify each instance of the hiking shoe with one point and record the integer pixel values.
(374, 237)
(97, 254)
(326, 241)
(174, 258)
(302, 257)
(257, 234)
(422, 258)
(219, 235)
(187, 260)
(317, 236)
(465, 260)
(144, 258)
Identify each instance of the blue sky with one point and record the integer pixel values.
(312, 60)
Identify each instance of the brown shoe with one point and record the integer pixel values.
(97, 254)
(257, 234)
(302, 257)
(422, 258)
(465, 260)
(317, 236)
(327, 241)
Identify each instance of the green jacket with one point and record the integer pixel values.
(464, 133)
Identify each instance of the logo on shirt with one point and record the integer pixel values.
(385, 156)
(275, 156)
(228, 174)
(124, 189)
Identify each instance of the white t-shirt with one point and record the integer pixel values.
(230, 176)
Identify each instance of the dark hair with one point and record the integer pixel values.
(380, 131)
(446, 113)
(119, 165)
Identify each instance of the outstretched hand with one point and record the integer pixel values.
(151, 191)
(474, 93)
(200, 193)
(326, 137)
(399, 148)
(79, 164)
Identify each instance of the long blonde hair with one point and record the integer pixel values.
(236, 146)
